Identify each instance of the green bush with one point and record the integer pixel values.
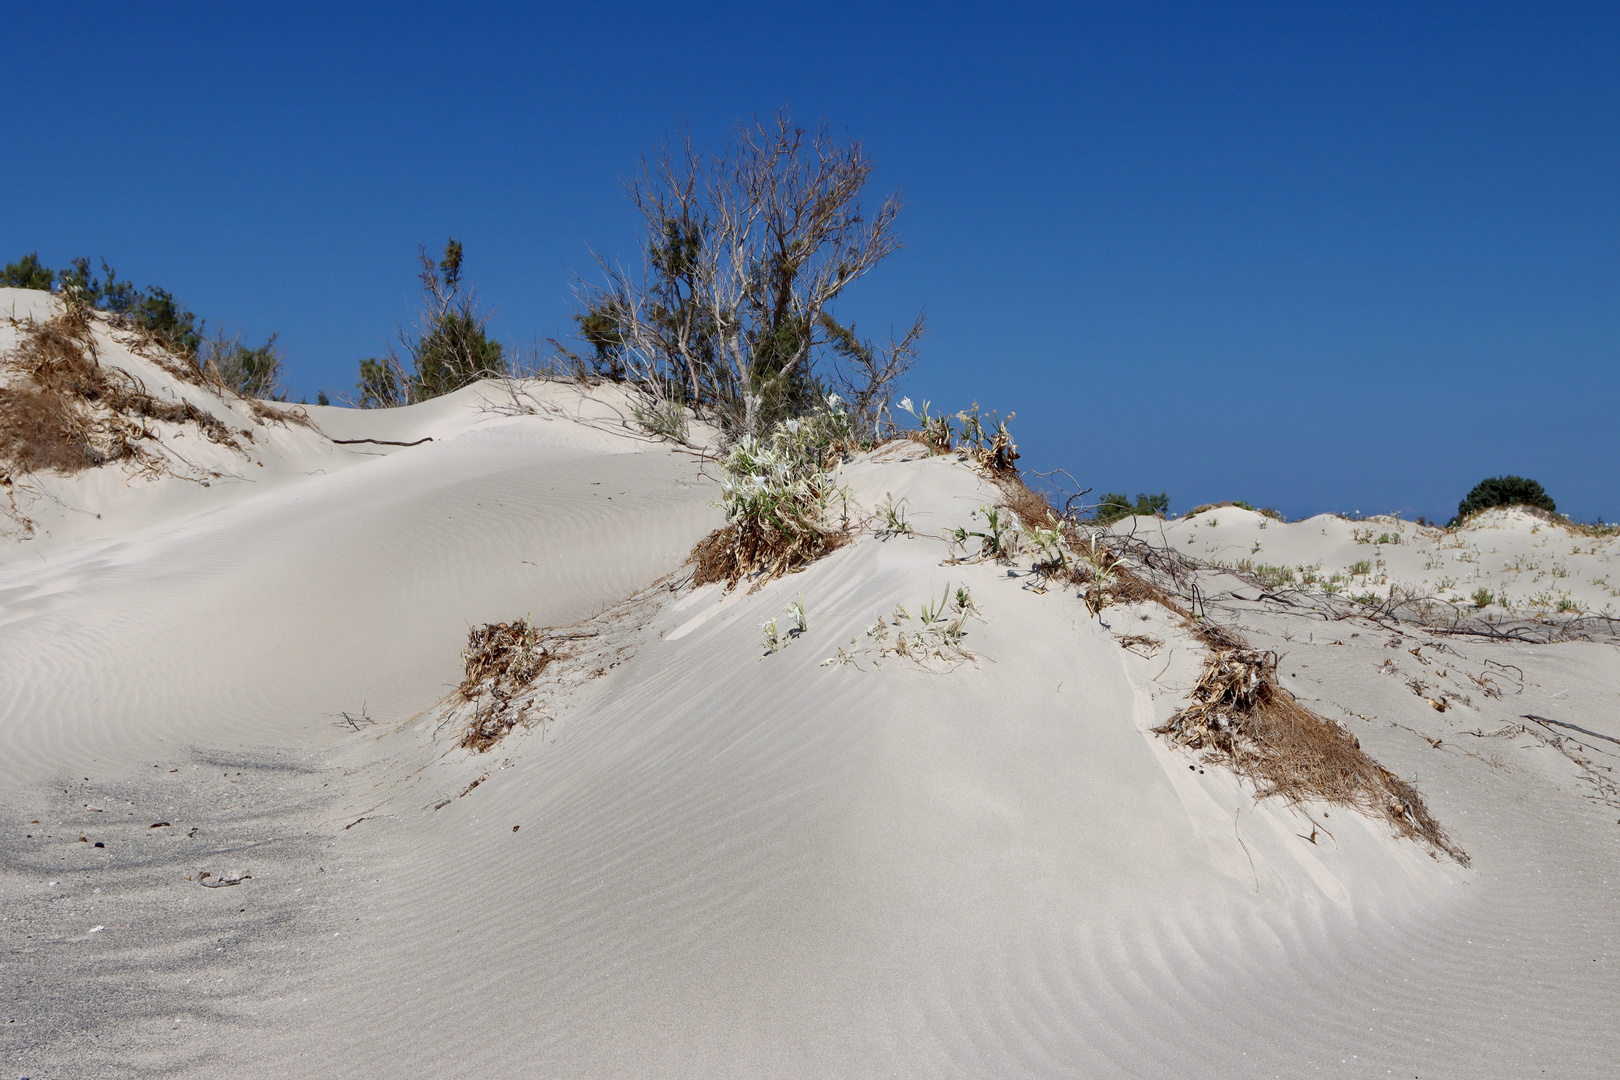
(253, 373)
(1115, 506)
(28, 273)
(1504, 491)
(452, 350)
(153, 310)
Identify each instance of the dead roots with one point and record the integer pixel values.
(1242, 719)
(768, 549)
(502, 659)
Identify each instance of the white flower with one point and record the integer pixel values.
(905, 403)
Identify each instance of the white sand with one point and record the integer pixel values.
(732, 864)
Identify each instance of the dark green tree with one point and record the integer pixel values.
(28, 273)
(1504, 491)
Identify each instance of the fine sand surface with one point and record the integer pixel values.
(702, 860)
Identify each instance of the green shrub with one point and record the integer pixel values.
(452, 349)
(28, 273)
(253, 373)
(152, 310)
(1115, 506)
(1504, 491)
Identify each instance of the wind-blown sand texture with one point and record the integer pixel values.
(696, 858)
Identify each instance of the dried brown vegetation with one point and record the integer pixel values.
(1241, 718)
(62, 410)
(501, 660)
(767, 549)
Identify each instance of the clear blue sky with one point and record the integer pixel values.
(1317, 256)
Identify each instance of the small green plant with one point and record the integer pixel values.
(1483, 597)
(776, 637)
(893, 516)
(1567, 604)
(1097, 565)
(661, 417)
(995, 540)
(931, 639)
(932, 610)
(1362, 536)
(1360, 568)
(1049, 543)
(1388, 538)
(801, 621)
(1274, 577)
(932, 431)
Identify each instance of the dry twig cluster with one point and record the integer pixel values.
(501, 660)
(1241, 718)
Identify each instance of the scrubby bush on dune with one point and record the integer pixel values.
(743, 254)
(1504, 491)
(62, 410)
(253, 373)
(450, 348)
(1116, 505)
(156, 314)
(777, 494)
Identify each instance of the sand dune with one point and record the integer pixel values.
(700, 858)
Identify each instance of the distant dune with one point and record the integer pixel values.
(902, 813)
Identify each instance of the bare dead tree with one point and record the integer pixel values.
(743, 255)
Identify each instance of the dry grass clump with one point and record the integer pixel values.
(1242, 719)
(61, 410)
(501, 660)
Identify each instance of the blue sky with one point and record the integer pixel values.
(1316, 256)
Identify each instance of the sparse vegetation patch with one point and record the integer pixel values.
(62, 410)
(1241, 718)
(777, 494)
(501, 660)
